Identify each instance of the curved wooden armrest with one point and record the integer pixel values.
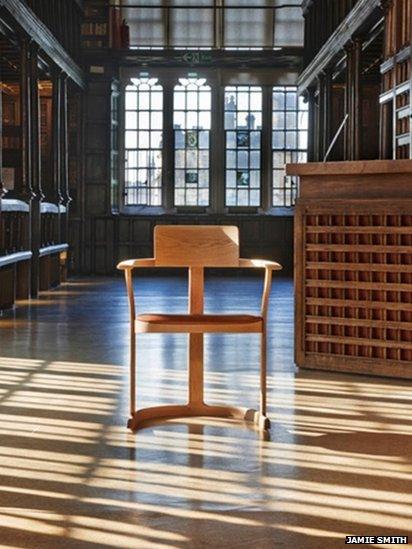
(134, 263)
(260, 263)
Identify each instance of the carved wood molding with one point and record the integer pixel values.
(349, 27)
(38, 31)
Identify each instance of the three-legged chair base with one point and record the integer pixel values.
(149, 416)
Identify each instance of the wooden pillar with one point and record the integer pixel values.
(23, 189)
(64, 179)
(327, 111)
(320, 114)
(357, 98)
(310, 96)
(353, 99)
(2, 190)
(35, 164)
(348, 103)
(54, 193)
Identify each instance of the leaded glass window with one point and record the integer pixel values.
(192, 123)
(143, 142)
(289, 141)
(243, 129)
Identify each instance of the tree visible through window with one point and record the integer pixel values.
(143, 142)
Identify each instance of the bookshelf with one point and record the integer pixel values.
(95, 27)
(396, 69)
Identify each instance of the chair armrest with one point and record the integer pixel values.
(260, 263)
(134, 263)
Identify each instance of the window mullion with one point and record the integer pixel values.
(168, 147)
(122, 149)
(266, 180)
(217, 164)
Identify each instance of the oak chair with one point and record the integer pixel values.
(197, 247)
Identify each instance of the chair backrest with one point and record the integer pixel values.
(196, 245)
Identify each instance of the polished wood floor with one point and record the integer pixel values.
(339, 461)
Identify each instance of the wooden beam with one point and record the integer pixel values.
(38, 31)
(365, 11)
(64, 179)
(288, 58)
(55, 193)
(35, 167)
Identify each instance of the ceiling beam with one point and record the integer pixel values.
(37, 30)
(284, 57)
(364, 11)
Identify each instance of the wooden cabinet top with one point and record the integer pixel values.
(359, 168)
(364, 179)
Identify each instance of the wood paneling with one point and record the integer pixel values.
(109, 239)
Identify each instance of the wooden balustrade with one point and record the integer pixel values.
(34, 207)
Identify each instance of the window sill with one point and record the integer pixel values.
(156, 211)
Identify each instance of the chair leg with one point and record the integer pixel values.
(196, 405)
(132, 373)
(263, 384)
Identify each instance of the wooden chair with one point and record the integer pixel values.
(197, 247)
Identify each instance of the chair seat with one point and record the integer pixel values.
(198, 324)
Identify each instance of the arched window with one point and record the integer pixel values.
(143, 142)
(192, 124)
(243, 129)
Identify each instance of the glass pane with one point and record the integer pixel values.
(131, 120)
(156, 101)
(179, 100)
(291, 120)
(179, 159)
(278, 121)
(291, 140)
(156, 120)
(144, 121)
(291, 101)
(278, 140)
(131, 101)
(230, 159)
(131, 140)
(144, 100)
(278, 100)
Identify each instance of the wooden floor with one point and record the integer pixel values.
(71, 476)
